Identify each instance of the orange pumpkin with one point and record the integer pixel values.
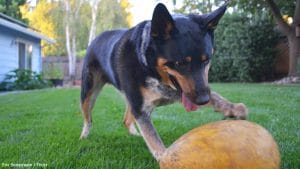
(228, 144)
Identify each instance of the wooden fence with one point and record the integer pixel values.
(62, 64)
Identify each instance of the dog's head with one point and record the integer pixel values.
(184, 46)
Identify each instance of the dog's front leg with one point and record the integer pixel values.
(150, 135)
(230, 110)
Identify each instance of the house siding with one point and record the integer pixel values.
(9, 59)
(36, 58)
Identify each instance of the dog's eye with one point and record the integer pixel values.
(188, 59)
(169, 64)
(181, 63)
(184, 62)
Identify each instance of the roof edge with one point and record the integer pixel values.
(25, 30)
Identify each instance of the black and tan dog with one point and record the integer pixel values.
(155, 63)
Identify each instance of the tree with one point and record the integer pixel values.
(94, 6)
(244, 50)
(11, 8)
(292, 32)
(112, 16)
(72, 22)
(39, 18)
(257, 7)
(291, 8)
(72, 8)
(125, 5)
(197, 6)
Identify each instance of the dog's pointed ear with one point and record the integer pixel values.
(212, 19)
(162, 24)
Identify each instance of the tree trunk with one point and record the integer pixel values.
(71, 15)
(73, 61)
(294, 53)
(68, 46)
(290, 32)
(67, 31)
(94, 7)
(294, 42)
(209, 6)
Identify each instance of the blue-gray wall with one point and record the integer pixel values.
(9, 58)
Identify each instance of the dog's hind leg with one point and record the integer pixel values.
(91, 85)
(129, 121)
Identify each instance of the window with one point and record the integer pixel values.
(25, 55)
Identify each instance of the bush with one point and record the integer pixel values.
(244, 49)
(20, 79)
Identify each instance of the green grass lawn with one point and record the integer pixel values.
(43, 126)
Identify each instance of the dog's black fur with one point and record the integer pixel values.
(153, 63)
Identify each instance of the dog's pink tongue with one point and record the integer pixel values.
(188, 105)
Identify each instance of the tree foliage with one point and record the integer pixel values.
(41, 19)
(125, 4)
(111, 15)
(244, 49)
(11, 8)
(48, 17)
(197, 6)
(257, 6)
(256, 9)
(279, 9)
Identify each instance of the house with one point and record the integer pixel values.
(20, 46)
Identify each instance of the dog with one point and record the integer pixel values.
(155, 63)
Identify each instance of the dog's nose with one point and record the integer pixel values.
(202, 99)
(202, 96)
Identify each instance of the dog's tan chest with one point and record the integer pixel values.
(155, 93)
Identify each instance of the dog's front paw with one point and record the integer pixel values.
(85, 131)
(83, 135)
(238, 111)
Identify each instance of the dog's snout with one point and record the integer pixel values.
(203, 96)
(203, 99)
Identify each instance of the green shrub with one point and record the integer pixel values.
(20, 79)
(244, 49)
